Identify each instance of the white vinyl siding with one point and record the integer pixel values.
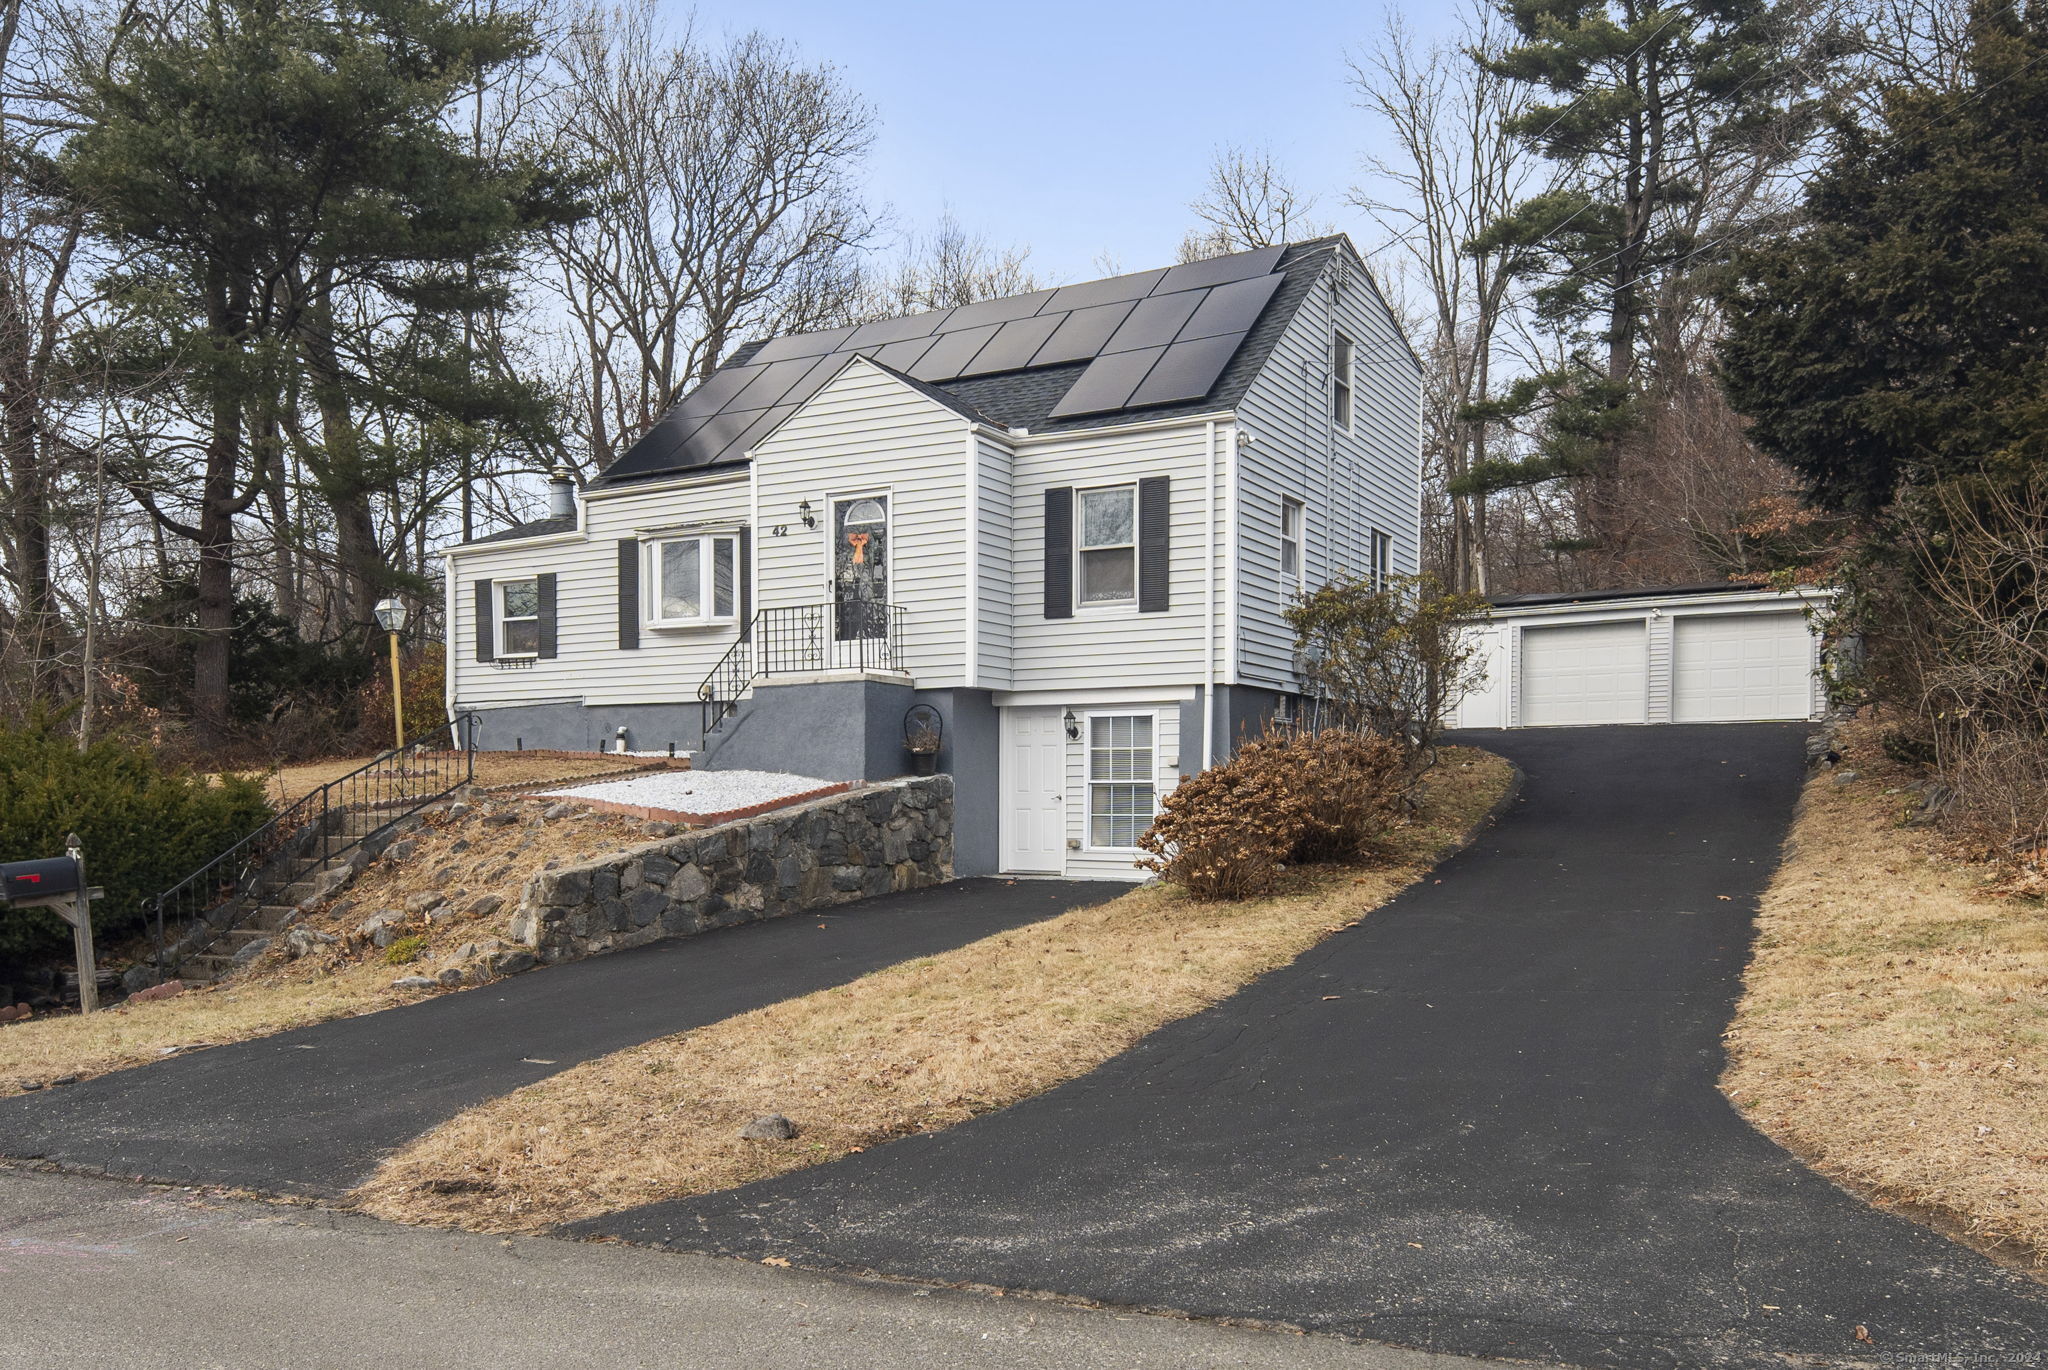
(867, 433)
(1112, 645)
(589, 665)
(995, 565)
(1352, 481)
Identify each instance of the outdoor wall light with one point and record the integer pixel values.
(1073, 726)
(803, 510)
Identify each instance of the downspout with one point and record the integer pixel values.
(1209, 606)
(970, 673)
(448, 644)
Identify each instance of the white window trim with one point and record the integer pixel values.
(1105, 606)
(1299, 508)
(1088, 783)
(1343, 364)
(1380, 548)
(498, 649)
(650, 579)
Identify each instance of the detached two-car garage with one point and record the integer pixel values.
(1712, 655)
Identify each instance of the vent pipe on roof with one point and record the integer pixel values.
(561, 493)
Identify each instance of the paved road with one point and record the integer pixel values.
(311, 1111)
(94, 1273)
(1483, 1122)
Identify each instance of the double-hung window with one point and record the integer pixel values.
(1340, 381)
(692, 580)
(1122, 788)
(518, 618)
(1382, 559)
(1293, 566)
(1107, 549)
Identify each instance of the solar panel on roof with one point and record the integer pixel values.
(1218, 270)
(1231, 308)
(901, 356)
(1012, 347)
(1133, 287)
(1155, 321)
(712, 396)
(1081, 335)
(995, 311)
(1107, 383)
(803, 345)
(952, 352)
(1187, 371)
(895, 330)
(773, 382)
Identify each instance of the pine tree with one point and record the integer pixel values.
(259, 157)
(1648, 106)
(1899, 337)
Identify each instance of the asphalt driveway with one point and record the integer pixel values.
(311, 1111)
(1484, 1121)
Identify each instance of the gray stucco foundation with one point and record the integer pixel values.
(570, 725)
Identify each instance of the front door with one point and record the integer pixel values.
(1034, 785)
(860, 568)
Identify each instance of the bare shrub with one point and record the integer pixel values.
(2000, 798)
(1226, 833)
(1389, 656)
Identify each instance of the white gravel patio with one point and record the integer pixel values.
(696, 792)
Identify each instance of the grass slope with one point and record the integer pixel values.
(912, 1048)
(1894, 1031)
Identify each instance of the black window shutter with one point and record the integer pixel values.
(1155, 521)
(545, 583)
(629, 594)
(486, 624)
(1059, 552)
(745, 569)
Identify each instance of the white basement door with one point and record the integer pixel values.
(1729, 667)
(1584, 673)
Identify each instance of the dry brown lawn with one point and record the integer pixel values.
(1895, 1027)
(463, 859)
(912, 1048)
(493, 769)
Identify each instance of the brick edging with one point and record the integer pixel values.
(705, 820)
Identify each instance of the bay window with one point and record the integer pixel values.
(692, 580)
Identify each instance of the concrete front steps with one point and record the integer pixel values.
(258, 921)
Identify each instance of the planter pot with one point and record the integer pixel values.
(924, 763)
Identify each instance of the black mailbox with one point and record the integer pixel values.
(53, 875)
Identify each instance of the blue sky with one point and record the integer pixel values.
(1078, 129)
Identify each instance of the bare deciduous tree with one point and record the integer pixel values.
(727, 207)
(1455, 170)
(947, 267)
(1249, 201)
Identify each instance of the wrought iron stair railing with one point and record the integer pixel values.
(796, 638)
(321, 825)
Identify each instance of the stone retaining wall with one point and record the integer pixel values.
(894, 835)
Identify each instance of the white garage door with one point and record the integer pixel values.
(1584, 673)
(1728, 667)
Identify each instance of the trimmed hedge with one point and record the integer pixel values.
(144, 825)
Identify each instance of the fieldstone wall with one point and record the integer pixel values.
(893, 835)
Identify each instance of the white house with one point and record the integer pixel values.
(1066, 520)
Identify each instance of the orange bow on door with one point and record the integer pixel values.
(859, 543)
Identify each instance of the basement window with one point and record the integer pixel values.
(692, 581)
(1122, 793)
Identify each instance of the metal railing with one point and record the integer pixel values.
(803, 637)
(322, 824)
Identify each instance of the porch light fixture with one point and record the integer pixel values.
(803, 510)
(391, 618)
(1073, 726)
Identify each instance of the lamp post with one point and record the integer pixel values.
(391, 618)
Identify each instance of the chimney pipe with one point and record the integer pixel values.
(561, 493)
